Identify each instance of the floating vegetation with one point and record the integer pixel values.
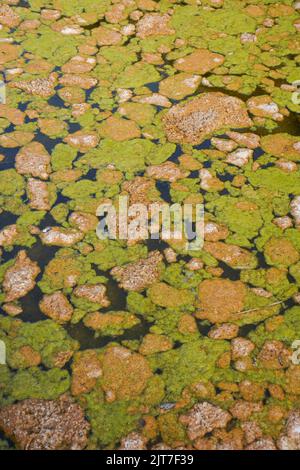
(147, 344)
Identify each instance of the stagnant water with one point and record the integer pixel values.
(162, 101)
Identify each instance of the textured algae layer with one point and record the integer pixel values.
(147, 345)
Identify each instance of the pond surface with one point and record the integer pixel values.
(148, 344)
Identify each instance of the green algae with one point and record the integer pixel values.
(32, 383)
(126, 156)
(17, 334)
(62, 157)
(113, 254)
(50, 44)
(35, 383)
(191, 363)
(137, 75)
(110, 421)
(287, 331)
(228, 210)
(247, 208)
(11, 183)
(111, 323)
(61, 271)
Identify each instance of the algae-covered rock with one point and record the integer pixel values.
(138, 276)
(160, 345)
(125, 374)
(111, 323)
(189, 364)
(28, 343)
(198, 118)
(282, 145)
(166, 296)
(86, 369)
(57, 307)
(220, 299)
(19, 279)
(29, 423)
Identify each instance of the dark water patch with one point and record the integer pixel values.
(22, 106)
(57, 102)
(74, 127)
(246, 329)
(47, 221)
(87, 339)
(9, 129)
(10, 444)
(61, 199)
(261, 260)
(267, 165)
(90, 27)
(224, 192)
(207, 164)
(9, 158)
(156, 244)
(91, 175)
(289, 125)
(10, 254)
(194, 174)
(206, 144)
(174, 157)
(258, 152)
(89, 92)
(267, 396)
(289, 303)
(47, 142)
(153, 86)
(116, 295)
(7, 218)
(164, 189)
(225, 176)
(228, 272)
(203, 327)
(42, 254)
(30, 306)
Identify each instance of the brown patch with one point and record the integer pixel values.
(45, 425)
(179, 86)
(201, 61)
(57, 307)
(33, 160)
(167, 171)
(153, 344)
(125, 373)
(204, 418)
(193, 121)
(106, 37)
(154, 24)
(19, 279)
(281, 251)
(119, 129)
(59, 236)
(139, 275)
(220, 299)
(86, 369)
(233, 255)
(38, 194)
(82, 140)
(93, 293)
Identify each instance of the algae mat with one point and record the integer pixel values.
(106, 344)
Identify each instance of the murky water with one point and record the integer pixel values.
(165, 101)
